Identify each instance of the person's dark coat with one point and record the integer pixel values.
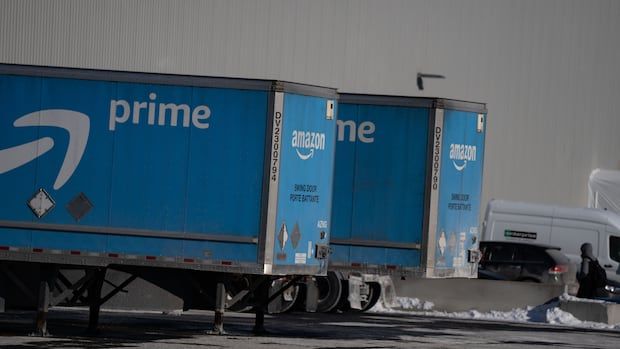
(587, 287)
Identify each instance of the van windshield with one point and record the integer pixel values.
(614, 248)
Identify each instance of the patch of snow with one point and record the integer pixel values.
(175, 312)
(549, 313)
(402, 303)
(567, 297)
(559, 317)
(414, 303)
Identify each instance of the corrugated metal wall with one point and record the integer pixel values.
(547, 69)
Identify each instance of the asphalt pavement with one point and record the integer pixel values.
(292, 330)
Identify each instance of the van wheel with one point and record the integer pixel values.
(528, 279)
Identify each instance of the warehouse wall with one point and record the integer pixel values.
(547, 69)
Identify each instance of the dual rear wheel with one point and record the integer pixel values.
(333, 292)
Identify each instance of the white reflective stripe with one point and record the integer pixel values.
(274, 178)
(434, 190)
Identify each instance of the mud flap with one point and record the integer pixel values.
(388, 294)
(312, 295)
(355, 285)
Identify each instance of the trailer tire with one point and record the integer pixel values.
(241, 306)
(330, 291)
(373, 297)
(286, 300)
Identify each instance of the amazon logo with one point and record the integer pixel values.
(460, 154)
(77, 126)
(306, 143)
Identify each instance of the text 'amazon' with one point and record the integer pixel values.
(306, 142)
(462, 152)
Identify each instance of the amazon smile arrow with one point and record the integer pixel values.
(76, 124)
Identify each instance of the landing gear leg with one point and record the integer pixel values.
(47, 279)
(220, 305)
(94, 301)
(262, 295)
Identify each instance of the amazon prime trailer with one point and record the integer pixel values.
(208, 187)
(407, 191)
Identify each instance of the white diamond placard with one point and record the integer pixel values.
(41, 203)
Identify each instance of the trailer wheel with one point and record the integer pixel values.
(287, 300)
(237, 287)
(330, 291)
(241, 306)
(374, 293)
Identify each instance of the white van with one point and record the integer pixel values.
(563, 227)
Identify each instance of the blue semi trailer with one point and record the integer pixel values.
(407, 193)
(208, 187)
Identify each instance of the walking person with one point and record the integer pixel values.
(591, 276)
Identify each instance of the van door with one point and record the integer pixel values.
(611, 259)
(570, 234)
